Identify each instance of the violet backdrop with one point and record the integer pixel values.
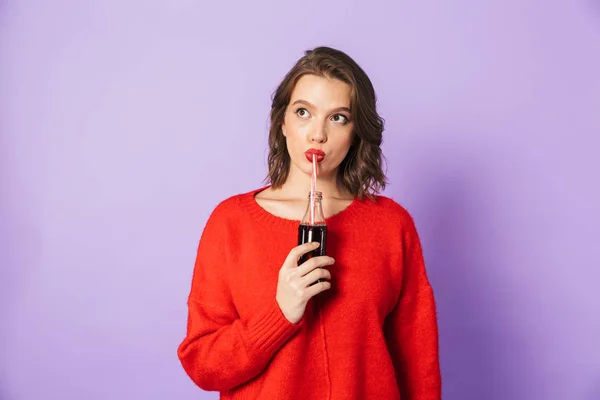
(124, 123)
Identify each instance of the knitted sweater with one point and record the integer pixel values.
(373, 335)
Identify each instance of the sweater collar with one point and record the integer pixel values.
(248, 201)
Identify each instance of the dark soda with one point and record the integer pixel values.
(313, 233)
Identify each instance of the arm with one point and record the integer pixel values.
(221, 351)
(411, 328)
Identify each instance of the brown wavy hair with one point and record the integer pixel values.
(361, 172)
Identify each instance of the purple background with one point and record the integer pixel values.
(124, 123)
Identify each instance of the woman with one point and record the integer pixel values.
(258, 328)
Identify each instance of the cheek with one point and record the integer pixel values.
(341, 144)
(295, 134)
(293, 140)
(346, 140)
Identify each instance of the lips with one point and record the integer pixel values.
(320, 154)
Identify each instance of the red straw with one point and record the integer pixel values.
(313, 190)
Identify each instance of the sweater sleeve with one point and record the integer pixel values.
(411, 328)
(221, 350)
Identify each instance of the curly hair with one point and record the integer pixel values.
(361, 172)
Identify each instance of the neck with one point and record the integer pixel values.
(297, 185)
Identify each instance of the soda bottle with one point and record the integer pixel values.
(313, 228)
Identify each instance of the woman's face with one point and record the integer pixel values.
(318, 117)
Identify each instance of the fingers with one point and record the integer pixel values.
(315, 289)
(315, 262)
(313, 276)
(292, 258)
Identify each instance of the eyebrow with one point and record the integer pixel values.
(311, 105)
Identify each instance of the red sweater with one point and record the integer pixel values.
(372, 335)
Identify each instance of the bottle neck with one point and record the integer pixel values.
(314, 210)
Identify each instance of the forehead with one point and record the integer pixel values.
(322, 92)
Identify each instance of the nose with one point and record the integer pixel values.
(318, 135)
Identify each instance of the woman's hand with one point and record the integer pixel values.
(294, 285)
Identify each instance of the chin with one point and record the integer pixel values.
(322, 172)
(304, 166)
(308, 170)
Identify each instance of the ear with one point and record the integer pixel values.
(283, 129)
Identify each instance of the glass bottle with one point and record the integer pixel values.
(313, 228)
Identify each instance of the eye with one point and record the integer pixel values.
(340, 118)
(302, 112)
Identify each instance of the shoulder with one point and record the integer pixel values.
(393, 214)
(225, 218)
(233, 207)
(226, 207)
(390, 208)
(397, 222)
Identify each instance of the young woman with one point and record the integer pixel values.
(259, 327)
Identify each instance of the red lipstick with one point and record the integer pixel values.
(320, 154)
